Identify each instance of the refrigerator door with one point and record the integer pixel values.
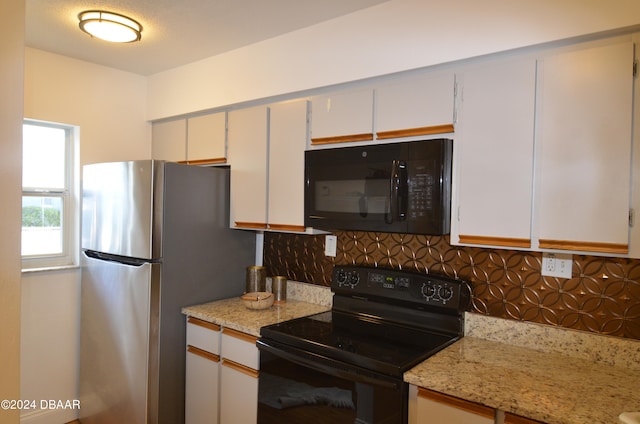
(116, 341)
(118, 210)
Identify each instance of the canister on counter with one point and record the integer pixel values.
(256, 279)
(279, 288)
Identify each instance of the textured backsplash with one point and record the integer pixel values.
(602, 297)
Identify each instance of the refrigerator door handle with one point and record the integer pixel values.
(115, 258)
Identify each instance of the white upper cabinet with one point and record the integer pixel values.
(169, 140)
(247, 154)
(206, 139)
(416, 105)
(342, 117)
(494, 150)
(287, 142)
(584, 147)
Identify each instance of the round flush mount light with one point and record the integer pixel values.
(110, 26)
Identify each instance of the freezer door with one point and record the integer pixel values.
(118, 342)
(118, 200)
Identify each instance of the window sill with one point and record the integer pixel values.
(50, 268)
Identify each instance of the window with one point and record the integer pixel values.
(49, 215)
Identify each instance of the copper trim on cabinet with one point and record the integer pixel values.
(412, 132)
(286, 227)
(240, 368)
(495, 241)
(212, 161)
(584, 246)
(252, 225)
(342, 138)
(203, 353)
(202, 323)
(465, 405)
(240, 335)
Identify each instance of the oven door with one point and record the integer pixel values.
(296, 386)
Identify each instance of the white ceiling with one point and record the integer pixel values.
(174, 32)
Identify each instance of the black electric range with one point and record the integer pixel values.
(383, 322)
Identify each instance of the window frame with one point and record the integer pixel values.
(70, 204)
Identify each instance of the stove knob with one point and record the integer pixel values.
(354, 279)
(445, 293)
(341, 277)
(428, 290)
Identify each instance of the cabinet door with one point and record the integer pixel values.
(583, 171)
(287, 142)
(248, 159)
(342, 117)
(168, 140)
(433, 407)
(494, 146)
(202, 387)
(414, 106)
(206, 139)
(239, 394)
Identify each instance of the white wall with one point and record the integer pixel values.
(109, 106)
(394, 36)
(11, 76)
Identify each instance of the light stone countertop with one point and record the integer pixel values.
(539, 372)
(231, 313)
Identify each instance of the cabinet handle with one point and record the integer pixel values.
(202, 323)
(412, 132)
(584, 245)
(240, 368)
(495, 241)
(240, 335)
(203, 353)
(465, 405)
(342, 138)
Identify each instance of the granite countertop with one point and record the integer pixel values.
(231, 313)
(551, 387)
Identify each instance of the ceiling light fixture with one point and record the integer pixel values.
(110, 26)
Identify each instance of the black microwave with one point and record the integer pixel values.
(394, 188)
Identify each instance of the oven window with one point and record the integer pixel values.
(293, 393)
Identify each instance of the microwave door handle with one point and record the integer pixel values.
(398, 195)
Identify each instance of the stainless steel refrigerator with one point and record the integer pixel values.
(155, 238)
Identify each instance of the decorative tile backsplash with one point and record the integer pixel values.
(603, 296)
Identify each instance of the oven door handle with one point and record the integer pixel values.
(325, 365)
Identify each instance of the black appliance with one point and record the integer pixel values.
(347, 365)
(395, 188)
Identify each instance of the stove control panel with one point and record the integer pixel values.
(401, 286)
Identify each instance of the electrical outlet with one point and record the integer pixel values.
(557, 264)
(330, 245)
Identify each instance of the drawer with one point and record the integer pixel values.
(203, 335)
(240, 348)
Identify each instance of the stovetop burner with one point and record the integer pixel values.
(381, 320)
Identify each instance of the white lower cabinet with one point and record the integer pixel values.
(239, 378)
(202, 372)
(429, 407)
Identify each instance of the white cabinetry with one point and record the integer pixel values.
(206, 139)
(239, 378)
(169, 140)
(202, 372)
(426, 406)
(342, 117)
(415, 106)
(287, 142)
(494, 146)
(583, 162)
(247, 155)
